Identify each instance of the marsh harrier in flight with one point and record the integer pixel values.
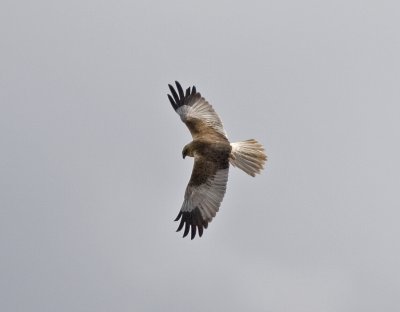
(212, 154)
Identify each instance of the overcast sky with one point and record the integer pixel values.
(91, 172)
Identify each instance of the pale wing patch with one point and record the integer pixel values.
(207, 196)
(203, 111)
(206, 199)
(198, 115)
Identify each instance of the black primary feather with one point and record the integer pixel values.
(174, 94)
(180, 90)
(181, 98)
(174, 106)
(192, 221)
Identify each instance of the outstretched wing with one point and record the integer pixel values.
(198, 115)
(203, 196)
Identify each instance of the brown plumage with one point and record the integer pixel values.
(212, 154)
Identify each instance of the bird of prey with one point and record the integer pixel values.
(212, 154)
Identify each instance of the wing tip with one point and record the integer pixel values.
(178, 216)
(193, 223)
(180, 98)
(172, 101)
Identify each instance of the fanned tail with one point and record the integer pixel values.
(249, 156)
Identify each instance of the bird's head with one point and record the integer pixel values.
(187, 151)
(184, 152)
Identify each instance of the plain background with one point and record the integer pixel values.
(91, 173)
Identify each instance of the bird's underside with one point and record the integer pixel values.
(212, 154)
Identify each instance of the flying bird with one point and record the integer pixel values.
(212, 154)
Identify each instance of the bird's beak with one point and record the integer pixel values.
(183, 156)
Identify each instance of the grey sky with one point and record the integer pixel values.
(91, 173)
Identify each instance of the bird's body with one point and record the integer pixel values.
(212, 150)
(212, 154)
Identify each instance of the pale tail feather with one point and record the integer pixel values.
(249, 156)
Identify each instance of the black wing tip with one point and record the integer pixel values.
(178, 216)
(193, 232)
(180, 98)
(172, 102)
(178, 85)
(193, 223)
